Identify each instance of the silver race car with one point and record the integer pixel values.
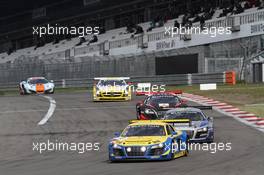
(200, 129)
(35, 85)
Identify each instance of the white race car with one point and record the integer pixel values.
(35, 85)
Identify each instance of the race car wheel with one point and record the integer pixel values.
(173, 143)
(187, 145)
(52, 91)
(22, 90)
(138, 113)
(186, 151)
(211, 140)
(111, 160)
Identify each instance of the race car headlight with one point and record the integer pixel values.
(202, 129)
(97, 91)
(157, 146)
(143, 149)
(116, 146)
(128, 149)
(149, 111)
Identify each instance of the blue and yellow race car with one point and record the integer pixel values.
(149, 140)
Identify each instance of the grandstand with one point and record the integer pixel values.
(209, 54)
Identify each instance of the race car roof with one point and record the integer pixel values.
(35, 78)
(157, 122)
(146, 122)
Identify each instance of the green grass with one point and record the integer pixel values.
(247, 97)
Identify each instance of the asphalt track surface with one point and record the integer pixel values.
(77, 119)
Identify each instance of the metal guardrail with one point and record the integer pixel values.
(178, 79)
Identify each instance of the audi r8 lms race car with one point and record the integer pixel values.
(155, 105)
(201, 128)
(149, 140)
(36, 85)
(111, 89)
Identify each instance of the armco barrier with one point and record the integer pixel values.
(179, 79)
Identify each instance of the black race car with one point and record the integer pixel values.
(154, 106)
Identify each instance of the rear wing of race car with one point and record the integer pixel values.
(167, 92)
(200, 107)
(147, 93)
(174, 122)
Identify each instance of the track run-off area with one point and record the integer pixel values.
(27, 120)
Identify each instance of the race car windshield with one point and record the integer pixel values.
(193, 116)
(112, 83)
(163, 99)
(38, 81)
(145, 130)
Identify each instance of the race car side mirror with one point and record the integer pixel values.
(51, 81)
(210, 118)
(174, 133)
(117, 134)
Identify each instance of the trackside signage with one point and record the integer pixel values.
(176, 41)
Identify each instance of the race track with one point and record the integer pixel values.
(77, 119)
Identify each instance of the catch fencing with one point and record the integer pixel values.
(168, 80)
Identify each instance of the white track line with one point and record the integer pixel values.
(51, 110)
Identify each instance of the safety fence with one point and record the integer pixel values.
(168, 80)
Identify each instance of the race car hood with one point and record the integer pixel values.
(146, 140)
(194, 124)
(40, 85)
(111, 88)
(163, 106)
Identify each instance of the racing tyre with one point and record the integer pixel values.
(138, 113)
(111, 160)
(172, 150)
(52, 91)
(22, 90)
(187, 146)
